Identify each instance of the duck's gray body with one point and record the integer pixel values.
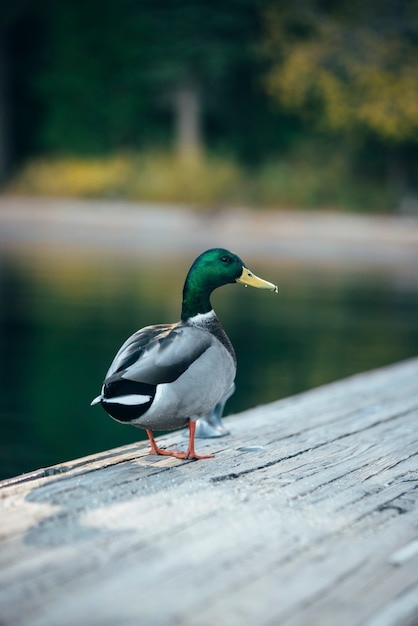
(166, 375)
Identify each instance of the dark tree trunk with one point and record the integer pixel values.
(5, 113)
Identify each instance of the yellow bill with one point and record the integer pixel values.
(250, 279)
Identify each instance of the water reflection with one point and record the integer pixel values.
(63, 317)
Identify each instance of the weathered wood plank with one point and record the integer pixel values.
(307, 515)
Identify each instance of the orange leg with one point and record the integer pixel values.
(156, 450)
(190, 452)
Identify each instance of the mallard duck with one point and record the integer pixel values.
(167, 376)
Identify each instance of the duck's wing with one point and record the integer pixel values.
(158, 354)
(152, 356)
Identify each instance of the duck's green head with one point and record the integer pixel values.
(212, 269)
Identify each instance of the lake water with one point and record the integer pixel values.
(64, 314)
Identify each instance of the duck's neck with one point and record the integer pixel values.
(197, 311)
(195, 301)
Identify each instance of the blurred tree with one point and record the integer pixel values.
(113, 72)
(194, 49)
(346, 65)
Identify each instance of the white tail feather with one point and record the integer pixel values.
(130, 400)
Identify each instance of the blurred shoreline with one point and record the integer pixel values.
(120, 227)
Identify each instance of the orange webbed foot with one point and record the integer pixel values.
(190, 453)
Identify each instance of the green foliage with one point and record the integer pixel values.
(347, 65)
(109, 69)
(156, 176)
(317, 100)
(303, 179)
(92, 91)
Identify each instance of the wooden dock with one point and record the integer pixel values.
(308, 515)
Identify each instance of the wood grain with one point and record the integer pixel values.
(307, 515)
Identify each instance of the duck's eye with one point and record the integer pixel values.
(225, 259)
